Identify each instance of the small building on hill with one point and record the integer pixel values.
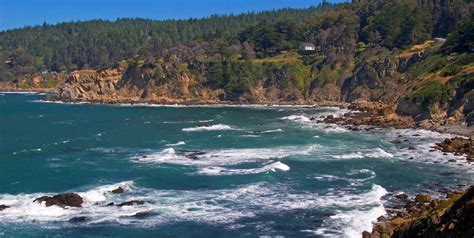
(307, 47)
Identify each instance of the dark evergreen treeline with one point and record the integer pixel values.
(101, 43)
(338, 31)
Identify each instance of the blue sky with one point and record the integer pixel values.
(19, 13)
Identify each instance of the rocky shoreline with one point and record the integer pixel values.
(423, 216)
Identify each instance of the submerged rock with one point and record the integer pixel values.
(142, 214)
(194, 155)
(79, 219)
(62, 200)
(131, 203)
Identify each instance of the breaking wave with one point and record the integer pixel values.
(218, 127)
(223, 206)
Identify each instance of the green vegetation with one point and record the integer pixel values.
(462, 38)
(437, 93)
(434, 92)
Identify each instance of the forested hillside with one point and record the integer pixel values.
(101, 43)
(417, 54)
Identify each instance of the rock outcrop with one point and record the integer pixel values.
(458, 146)
(3, 207)
(453, 217)
(61, 200)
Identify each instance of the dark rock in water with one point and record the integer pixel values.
(451, 160)
(411, 148)
(131, 203)
(110, 204)
(79, 219)
(396, 142)
(62, 200)
(402, 196)
(366, 234)
(3, 207)
(142, 214)
(381, 218)
(423, 198)
(194, 155)
(118, 190)
(204, 125)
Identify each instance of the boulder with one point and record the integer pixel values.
(3, 207)
(422, 198)
(402, 196)
(62, 200)
(118, 190)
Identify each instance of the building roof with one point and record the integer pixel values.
(307, 44)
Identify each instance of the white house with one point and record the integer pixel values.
(307, 47)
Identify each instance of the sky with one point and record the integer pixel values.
(20, 13)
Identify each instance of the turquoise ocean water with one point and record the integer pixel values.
(251, 171)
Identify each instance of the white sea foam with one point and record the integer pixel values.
(251, 136)
(367, 153)
(351, 223)
(177, 143)
(19, 92)
(224, 206)
(273, 167)
(272, 131)
(218, 127)
(222, 157)
(297, 118)
(354, 177)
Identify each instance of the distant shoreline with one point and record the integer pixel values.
(456, 129)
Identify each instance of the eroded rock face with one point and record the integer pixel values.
(61, 200)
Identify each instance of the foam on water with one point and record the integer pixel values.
(224, 206)
(177, 143)
(351, 223)
(297, 118)
(218, 127)
(273, 167)
(367, 153)
(222, 157)
(272, 131)
(353, 177)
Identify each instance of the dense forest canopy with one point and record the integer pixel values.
(338, 31)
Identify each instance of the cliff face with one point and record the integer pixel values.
(434, 89)
(170, 83)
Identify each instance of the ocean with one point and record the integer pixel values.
(206, 171)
